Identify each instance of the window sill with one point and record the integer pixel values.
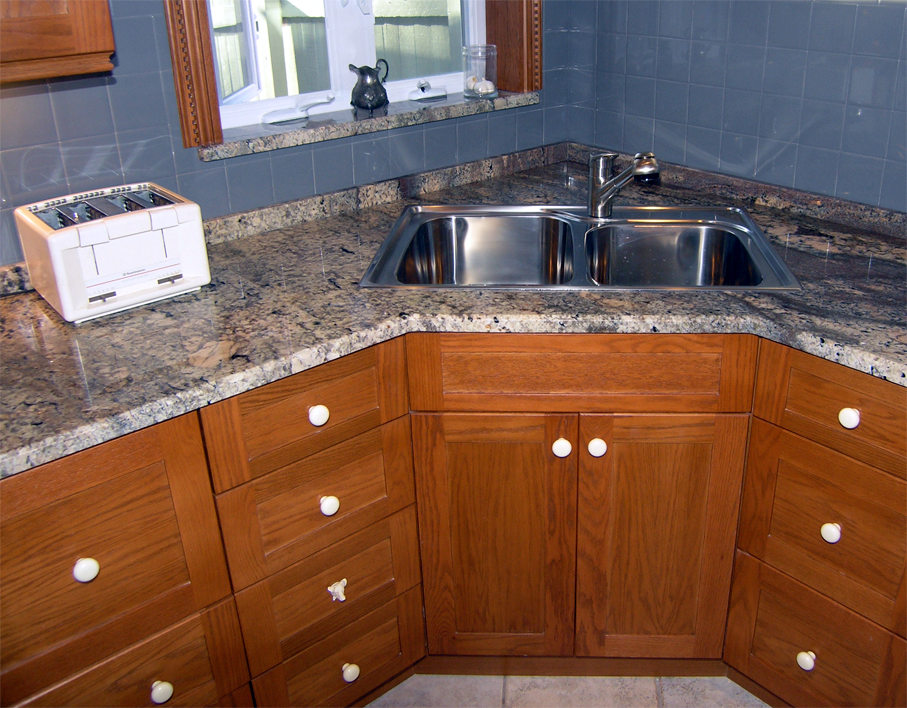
(253, 139)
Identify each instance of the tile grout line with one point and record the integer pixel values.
(659, 696)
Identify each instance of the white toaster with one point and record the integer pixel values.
(104, 251)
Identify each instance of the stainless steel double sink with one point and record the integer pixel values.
(560, 248)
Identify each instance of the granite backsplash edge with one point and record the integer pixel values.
(14, 278)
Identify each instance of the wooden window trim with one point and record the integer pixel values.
(515, 26)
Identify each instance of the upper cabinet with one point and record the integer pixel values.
(41, 39)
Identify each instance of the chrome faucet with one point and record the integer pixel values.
(604, 186)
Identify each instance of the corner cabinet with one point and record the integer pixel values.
(819, 603)
(41, 39)
(586, 476)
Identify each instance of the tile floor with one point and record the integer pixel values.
(430, 691)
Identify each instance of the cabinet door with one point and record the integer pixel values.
(657, 516)
(44, 38)
(497, 521)
(141, 506)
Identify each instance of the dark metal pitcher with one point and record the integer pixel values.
(369, 93)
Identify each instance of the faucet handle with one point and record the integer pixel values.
(602, 166)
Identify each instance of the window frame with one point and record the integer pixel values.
(513, 25)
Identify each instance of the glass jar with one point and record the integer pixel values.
(480, 71)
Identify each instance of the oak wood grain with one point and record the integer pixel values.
(140, 505)
(803, 393)
(794, 486)
(276, 520)
(497, 580)
(773, 617)
(657, 516)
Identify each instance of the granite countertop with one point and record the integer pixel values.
(288, 300)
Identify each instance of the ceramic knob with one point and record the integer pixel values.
(329, 505)
(350, 672)
(831, 533)
(806, 660)
(86, 569)
(161, 691)
(561, 447)
(318, 415)
(849, 418)
(597, 447)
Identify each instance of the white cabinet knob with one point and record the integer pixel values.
(597, 447)
(561, 447)
(350, 672)
(318, 415)
(86, 569)
(337, 590)
(831, 533)
(161, 691)
(806, 660)
(329, 505)
(849, 418)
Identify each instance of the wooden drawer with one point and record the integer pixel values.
(293, 609)
(804, 393)
(276, 520)
(773, 618)
(260, 431)
(581, 373)
(201, 657)
(142, 507)
(793, 487)
(381, 644)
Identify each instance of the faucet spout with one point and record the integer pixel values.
(604, 186)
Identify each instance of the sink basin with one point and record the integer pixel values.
(669, 256)
(560, 248)
(489, 251)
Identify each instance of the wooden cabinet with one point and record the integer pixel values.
(40, 39)
(650, 572)
(141, 508)
(316, 503)
(497, 514)
(823, 536)
(657, 518)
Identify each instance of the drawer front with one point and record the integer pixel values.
(806, 394)
(381, 644)
(141, 508)
(794, 489)
(774, 619)
(585, 373)
(257, 432)
(277, 520)
(295, 608)
(178, 656)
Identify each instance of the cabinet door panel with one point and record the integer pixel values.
(276, 520)
(657, 516)
(773, 618)
(141, 506)
(497, 523)
(793, 487)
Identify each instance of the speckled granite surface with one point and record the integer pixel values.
(288, 300)
(344, 123)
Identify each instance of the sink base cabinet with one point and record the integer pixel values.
(657, 520)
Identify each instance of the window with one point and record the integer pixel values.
(513, 25)
(275, 57)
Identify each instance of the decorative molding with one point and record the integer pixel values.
(193, 71)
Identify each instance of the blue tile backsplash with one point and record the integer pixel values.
(802, 93)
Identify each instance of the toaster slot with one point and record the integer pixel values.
(105, 206)
(149, 198)
(55, 219)
(125, 203)
(81, 212)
